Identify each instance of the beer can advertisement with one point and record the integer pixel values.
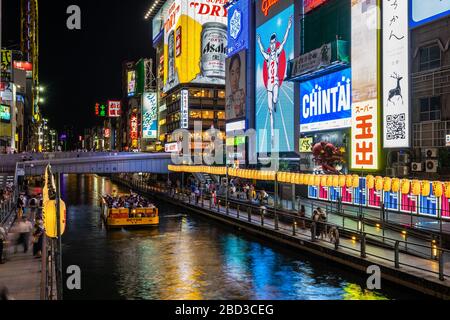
(275, 123)
(195, 43)
(366, 135)
(150, 115)
(235, 87)
(326, 102)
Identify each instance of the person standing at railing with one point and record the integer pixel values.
(38, 237)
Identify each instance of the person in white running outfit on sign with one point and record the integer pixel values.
(273, 82)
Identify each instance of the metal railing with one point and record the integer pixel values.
(365, 245)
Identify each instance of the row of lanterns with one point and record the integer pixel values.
(386, 184)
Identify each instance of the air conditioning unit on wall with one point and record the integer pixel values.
(431, 166)
(431, 153)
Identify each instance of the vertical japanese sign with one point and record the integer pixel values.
(365, 73)
(134, 131)
(396, 89)
(114, 109)
(184, 109)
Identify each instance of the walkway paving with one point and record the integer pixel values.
(21, 273)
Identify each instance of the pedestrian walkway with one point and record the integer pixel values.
(21, 274)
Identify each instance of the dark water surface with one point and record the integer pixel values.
(191, 257)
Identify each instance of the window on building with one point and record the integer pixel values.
(430, 109)
(208, 115)
(195, 114)
(430, 58)
(221, 115)
(221, 94)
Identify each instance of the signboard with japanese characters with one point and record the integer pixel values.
(365, 137)
(396, 89)
(114, 109)
(184, 109)
(311, 61)
(6, 65)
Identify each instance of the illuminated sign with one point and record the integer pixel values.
(238, 26)
(195, 43)
(396, 111)
(235, 126)
(266, 5)
(184, 109)
(6, 65)
(326, 102)
(25, 66)
(114, 109)
(134, 131)
(265, 10)
(131, 83)
(107, 133)
(5, 113)
(306, 145)
(310, 5)
(423, 12)
(171, 147)
(236, 87)
(150, 115)
(365, 137)
(274, 107)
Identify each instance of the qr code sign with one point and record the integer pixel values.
(396, 127)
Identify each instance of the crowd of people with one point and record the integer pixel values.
(7, 192)
(131, 201)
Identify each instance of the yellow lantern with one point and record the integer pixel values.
(310, 179)
(317, 180)
(282, 177)
(300, 179)
(395, 185)
(447, 189)
(342, 181)
(416, 187)
(293, 178)
(379, 183)
(324, 181)
(49, 217)
(438, 189)
(387, 184)
(405, 186)
(426, 189)
(349, 181)
(335, 182)
(370, 182)
(355, 181)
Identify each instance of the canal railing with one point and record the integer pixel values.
(365, 245)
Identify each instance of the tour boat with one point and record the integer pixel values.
(126, 217)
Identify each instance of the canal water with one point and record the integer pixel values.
(191, 257)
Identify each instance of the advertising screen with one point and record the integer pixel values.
(236, 87)
(274, 96)
(365, 137)
(5, 113)
(238, 27)
(131, 83)
(396, 110)
(427, 11)
(114, 109)
(326, 103)
(150, 115)
(195, 43)
(6, 65)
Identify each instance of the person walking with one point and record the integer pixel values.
(302, 216)
(24, 229)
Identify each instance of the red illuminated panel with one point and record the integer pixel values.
(409, 203)
(312, 4)
(375, 198)
(445, 207)
(347, 195)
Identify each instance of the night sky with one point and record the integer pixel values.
(82, 67)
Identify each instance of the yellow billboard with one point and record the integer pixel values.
(195, 43)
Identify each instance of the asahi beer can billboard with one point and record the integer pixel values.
(195, 43)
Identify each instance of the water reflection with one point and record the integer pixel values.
(189, 257)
